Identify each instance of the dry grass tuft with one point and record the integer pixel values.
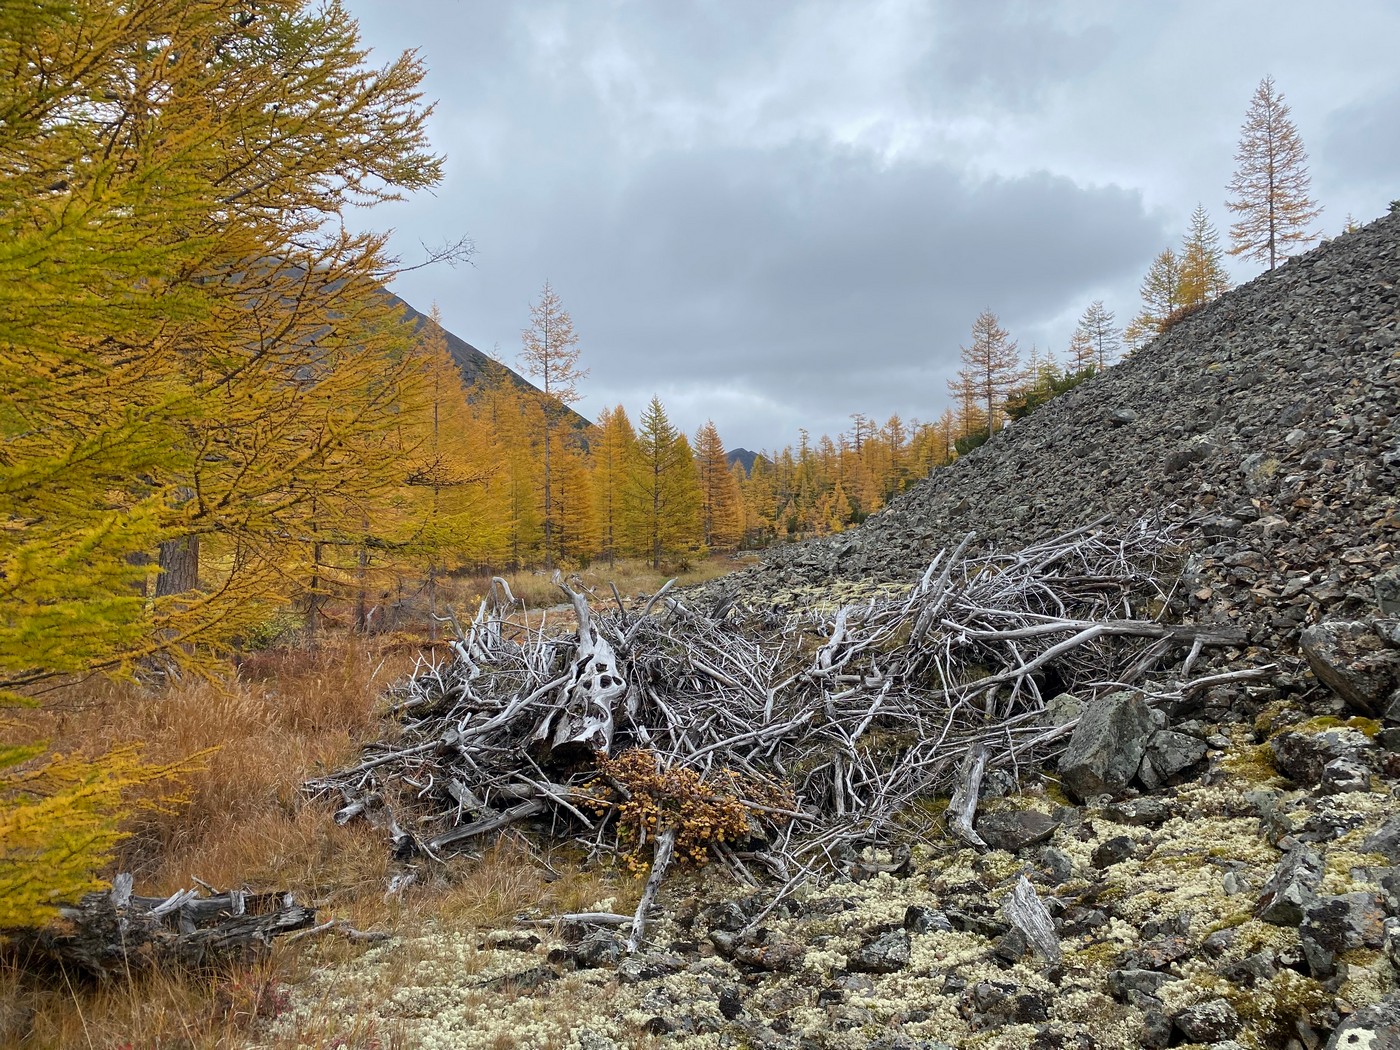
(631, 576)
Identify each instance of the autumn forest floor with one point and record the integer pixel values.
(280, 716)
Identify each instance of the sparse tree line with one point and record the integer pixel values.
(1268, 194)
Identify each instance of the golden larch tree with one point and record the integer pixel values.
(1099, 334)
(613, 458)
(667, 486)
(194, 346)
(550, 354)
(991, 366)
(1269, 190)
(1201, 276)
(721, 521)
(1161, 295)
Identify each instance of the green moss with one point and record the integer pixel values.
(1096, 956)
(1229, 922)
(1252, 764)
(1368, 727)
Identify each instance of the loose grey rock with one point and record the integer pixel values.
(1107, 746)
(1208, 1022)
(1386, 841)
(1375, 1027)
(1344, 775)
(1334, 925)
(1169, 753)
(775, 957)
(1291, 889)
(1123, 982)
(1063, 709)
(1387, 588)
(886, 953)
(1054, 867)
(1302, 756)
(918, 919)
(1015, 830)
(587, 1039)
(1113, 851)
(1144, 811)
(1352, 660)
(597, 949)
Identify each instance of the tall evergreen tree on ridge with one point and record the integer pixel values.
(1269, 190)
(1096, 341)
(1201, 276)
(991, 366)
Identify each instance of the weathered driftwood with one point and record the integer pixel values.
(963, 806)
(1025, 910)
(855, 711)
(665, 849)
(118, 933)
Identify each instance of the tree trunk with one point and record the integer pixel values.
(179, 566)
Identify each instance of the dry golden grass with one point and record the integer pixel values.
(280, 717)
(631, 576)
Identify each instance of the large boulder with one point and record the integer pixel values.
(1107, 746)
(1356, 660)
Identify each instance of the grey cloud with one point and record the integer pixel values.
(675, 170)
(1008, 53)
(1363, 139)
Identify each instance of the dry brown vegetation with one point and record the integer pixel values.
(279, 717)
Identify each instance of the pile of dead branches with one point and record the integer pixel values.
(760, 738)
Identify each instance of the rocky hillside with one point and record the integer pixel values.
(1269, 420)
(1217, 866)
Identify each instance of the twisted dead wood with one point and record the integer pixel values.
(856, 710)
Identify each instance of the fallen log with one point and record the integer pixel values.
(118, 933)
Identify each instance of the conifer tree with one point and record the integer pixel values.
(613, 458)
(990, 367)
(198, 344)
(550, 354)
(720, 518)
(1269, 190)
(1161, 295)
(667, 484)
(1201, 270)
(1096, 340)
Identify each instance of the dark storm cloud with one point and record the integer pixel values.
(800, 257)
(844, 284)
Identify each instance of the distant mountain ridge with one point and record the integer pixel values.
(741, 455)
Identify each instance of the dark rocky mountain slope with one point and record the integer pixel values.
(474, 365)
(1268, 423)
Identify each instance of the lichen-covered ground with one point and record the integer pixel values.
(1145, 938)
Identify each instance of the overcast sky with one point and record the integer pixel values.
(777, 214)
